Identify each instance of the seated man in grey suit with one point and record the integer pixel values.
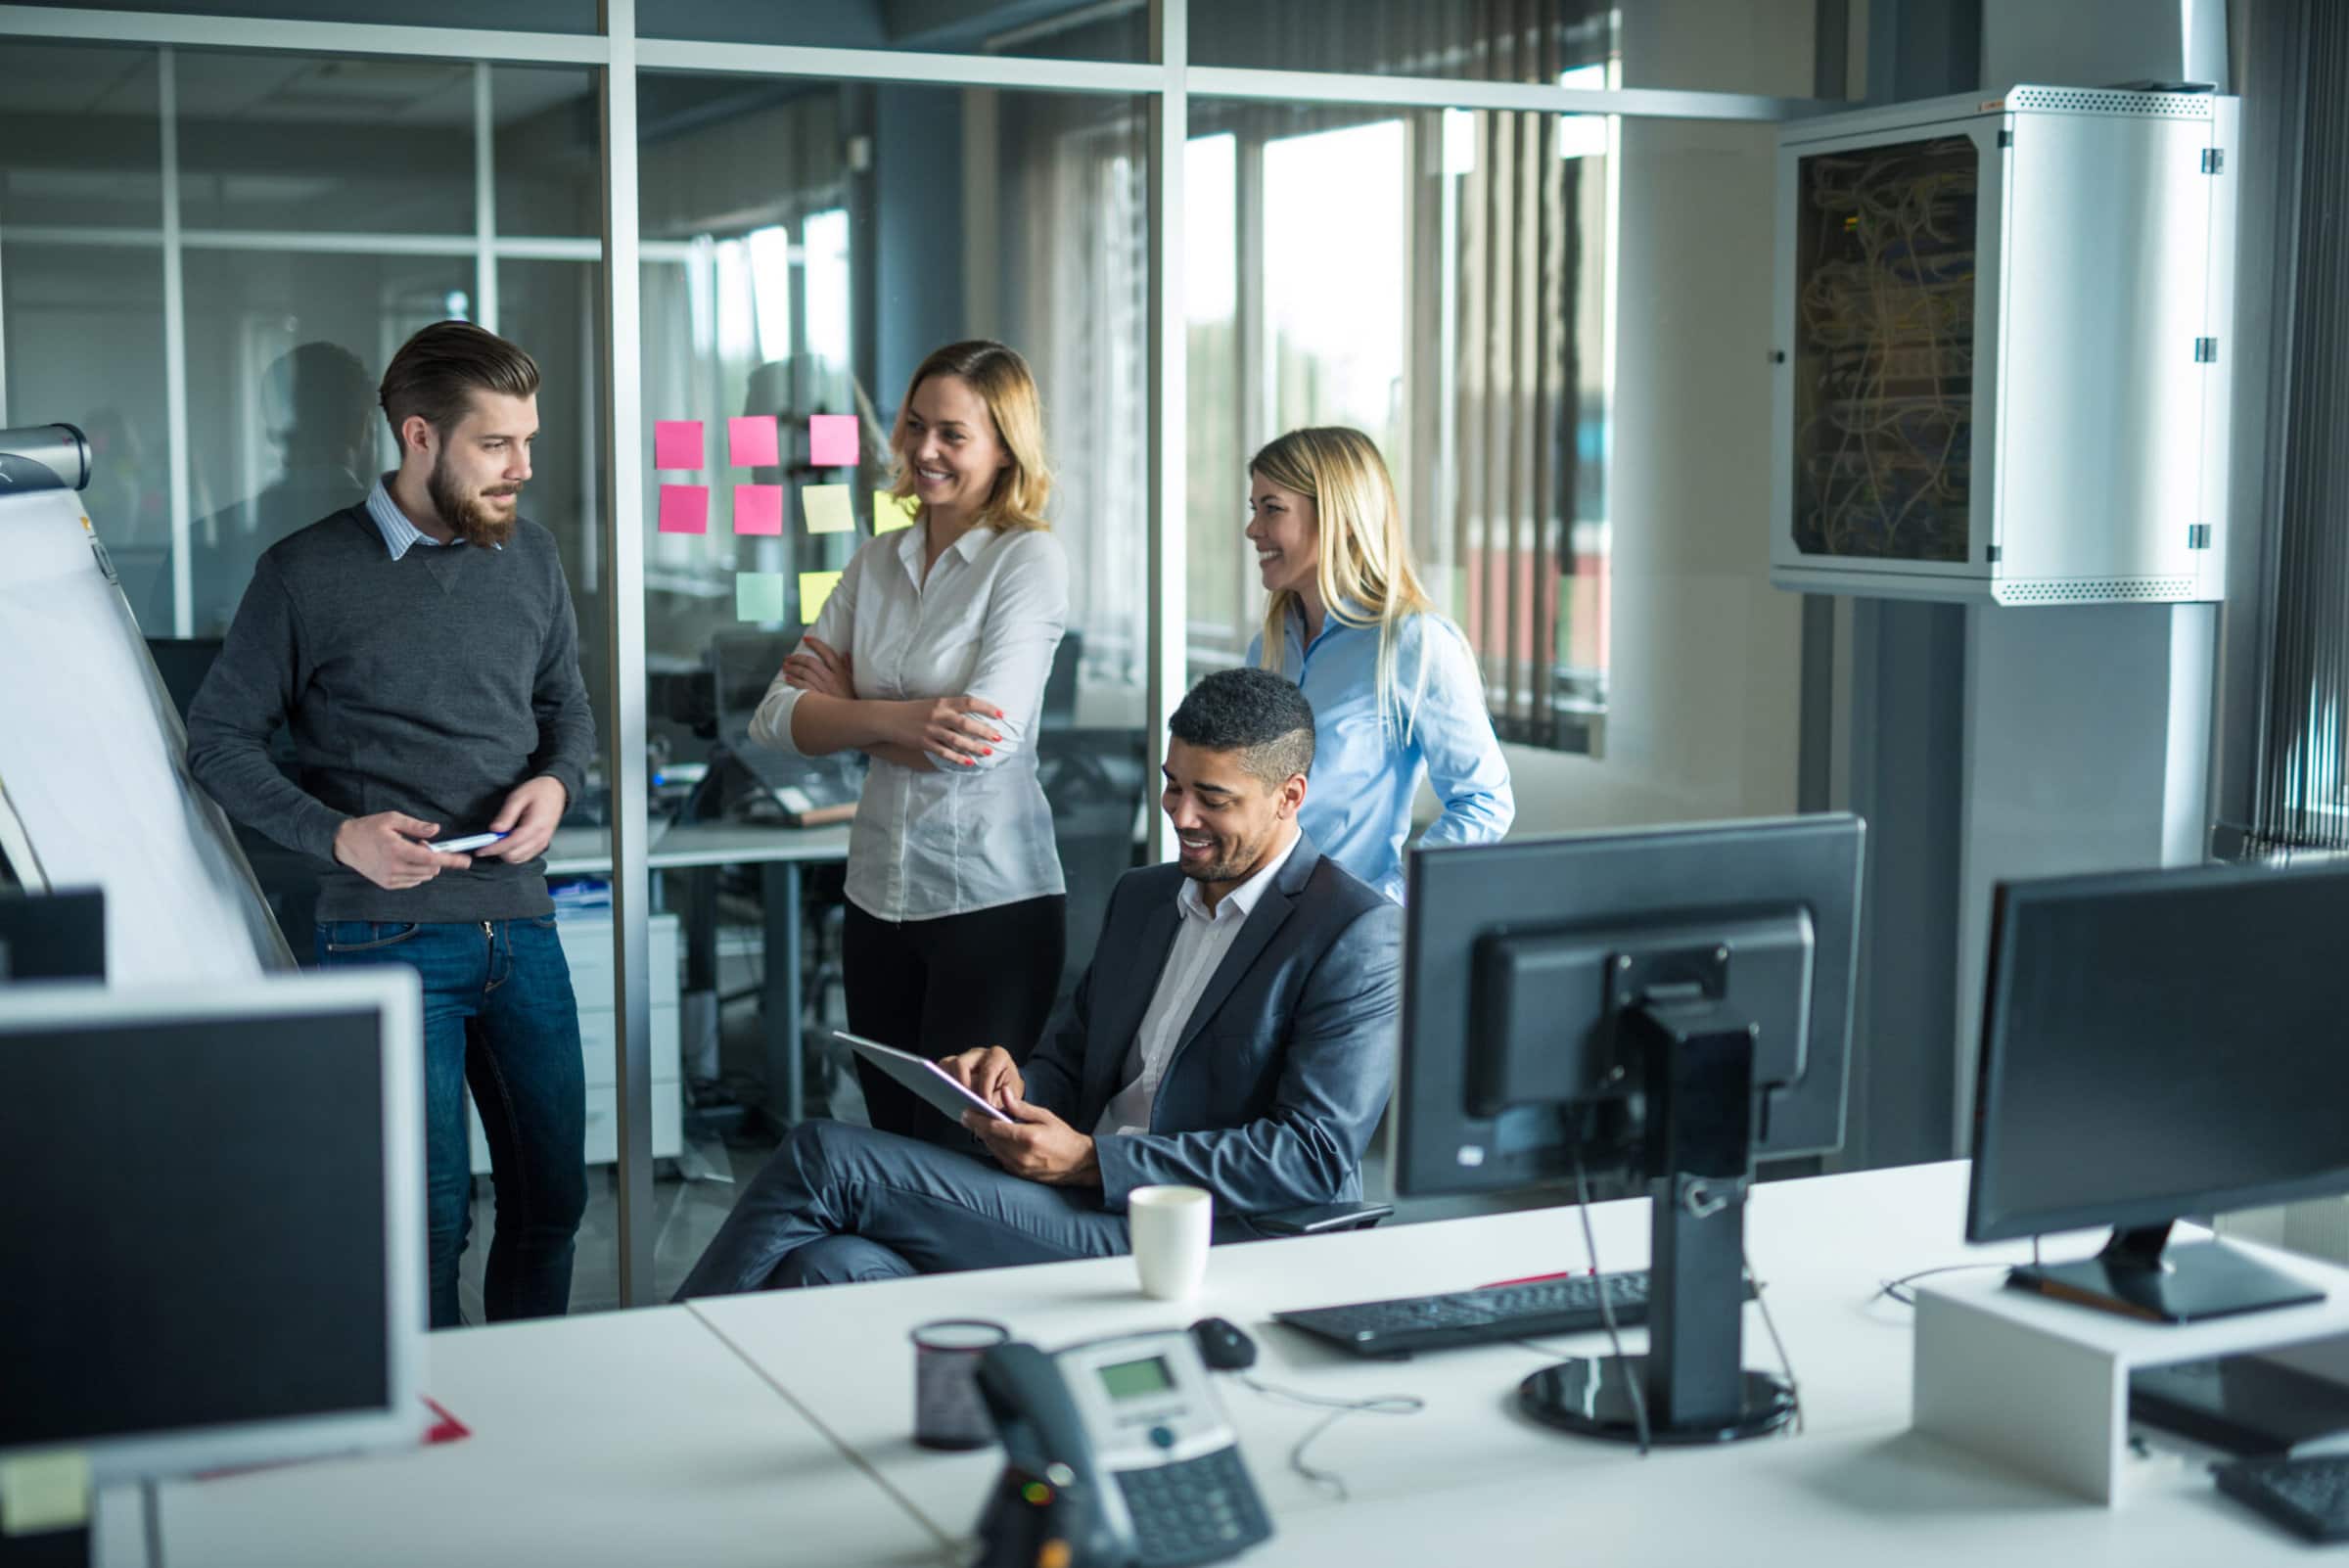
(1235, 1031)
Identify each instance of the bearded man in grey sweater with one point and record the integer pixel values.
(422, 651)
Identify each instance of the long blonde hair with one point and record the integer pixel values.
(1000, 378)
(1364, 570)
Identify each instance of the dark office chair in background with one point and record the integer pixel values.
(1093, 781)
(289, 879)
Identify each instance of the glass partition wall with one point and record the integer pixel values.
(806, 243)
(214, 230)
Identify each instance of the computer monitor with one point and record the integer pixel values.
(808, 790)
(53, 936)
(2157, 1045)
(223, 1263)
(1665, 1004)
(742, 666)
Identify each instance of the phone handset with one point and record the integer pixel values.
(1118, 1454)
(1046, 1505)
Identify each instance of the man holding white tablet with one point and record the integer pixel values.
(1235, 1031)
(422, 651)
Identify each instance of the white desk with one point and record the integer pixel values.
(619, 1437)
(1826, 1243)
(649, 1437)
(1468, 1479)
(778, 852)
(577, 852)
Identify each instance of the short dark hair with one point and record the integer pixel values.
(1254, 711)
(437, 372)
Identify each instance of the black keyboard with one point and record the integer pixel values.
(1567, 1306)
(2309, 1496)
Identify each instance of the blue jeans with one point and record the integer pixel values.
(498, 1014)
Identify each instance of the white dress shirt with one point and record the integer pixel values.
(1202, 938)
(927, 844)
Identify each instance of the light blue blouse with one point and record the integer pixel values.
(1358, 802)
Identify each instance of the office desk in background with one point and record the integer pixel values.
(702, 847)
(614, 1439)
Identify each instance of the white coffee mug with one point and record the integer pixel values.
(1170, 1227)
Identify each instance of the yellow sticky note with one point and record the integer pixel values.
(814, 589)
(829, 509)
(892, 512)
(44, 1492)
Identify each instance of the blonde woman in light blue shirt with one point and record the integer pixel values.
(1394, 686)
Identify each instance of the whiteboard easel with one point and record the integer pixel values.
(94, 782)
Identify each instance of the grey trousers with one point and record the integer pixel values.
(840, 1202)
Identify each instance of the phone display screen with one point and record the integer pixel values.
(1128, 1380)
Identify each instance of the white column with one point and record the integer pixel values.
(1166, 628)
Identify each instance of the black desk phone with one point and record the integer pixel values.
(1117, 1454)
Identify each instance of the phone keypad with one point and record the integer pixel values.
(1194, 1511)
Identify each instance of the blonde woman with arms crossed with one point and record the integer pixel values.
(1395, 689)
(930, 657)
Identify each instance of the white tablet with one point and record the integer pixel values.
(471, 842)
(921, 1075)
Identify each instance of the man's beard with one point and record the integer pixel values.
(1230, 867)
(470, 515)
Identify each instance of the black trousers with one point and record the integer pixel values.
(953, 984)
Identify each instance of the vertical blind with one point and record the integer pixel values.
(2301, 798)
(1514, 475)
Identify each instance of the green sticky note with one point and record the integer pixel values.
(814, 589)
(759, 595)
(44, 1492)
(829, 509)
(892, 512)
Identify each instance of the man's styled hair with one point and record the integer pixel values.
(437, 372)
(1255, 712)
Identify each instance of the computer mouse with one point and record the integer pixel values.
(1222, 1345)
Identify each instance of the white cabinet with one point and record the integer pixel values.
(587, 949)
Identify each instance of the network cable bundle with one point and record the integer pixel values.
(1999, 355)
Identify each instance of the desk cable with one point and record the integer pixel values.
(1330, 1481)
(1794, 1390)
(1606, 1309)
(1897, 1289)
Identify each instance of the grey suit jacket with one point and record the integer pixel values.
(1279, 1075)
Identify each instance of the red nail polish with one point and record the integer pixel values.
(990, 751)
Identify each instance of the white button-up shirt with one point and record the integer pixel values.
(927, 844)
(1202, 939)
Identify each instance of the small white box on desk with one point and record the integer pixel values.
(2041, 1386)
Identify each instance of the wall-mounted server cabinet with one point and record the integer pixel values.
(2000, 349)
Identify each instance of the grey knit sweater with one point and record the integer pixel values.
(432, 685)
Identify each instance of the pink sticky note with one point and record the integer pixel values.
(751, 442)
(758, 508)
(684, 508)
(832, 440)
(676, 443)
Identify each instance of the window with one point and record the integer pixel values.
(303, 256)
(1440, 281)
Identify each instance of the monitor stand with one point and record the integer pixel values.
(2138, 1275)
(1699, 1082)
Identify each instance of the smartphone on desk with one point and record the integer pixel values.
(1120, 1449)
